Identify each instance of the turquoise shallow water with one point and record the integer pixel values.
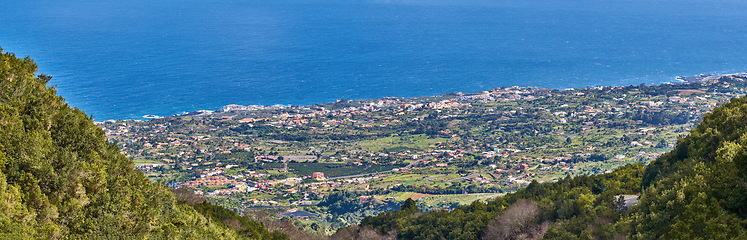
(126, 59)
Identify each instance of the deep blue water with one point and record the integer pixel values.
(126, 59)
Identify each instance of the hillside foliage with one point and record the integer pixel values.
(699, 190)
(61, 179)
(696, 191)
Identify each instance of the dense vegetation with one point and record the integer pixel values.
(699, 190)
(61, 179)
(696, 191)
(584, 205)
(345, 207)
(456, 188)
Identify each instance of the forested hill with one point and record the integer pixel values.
(696, 191)
(61, 179)
(699, 189)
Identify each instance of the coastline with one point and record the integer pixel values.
(707, 77)
(237, 107)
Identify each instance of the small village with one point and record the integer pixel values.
(433, 148)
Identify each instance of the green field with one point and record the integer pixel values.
(415, 142)
(462, 199)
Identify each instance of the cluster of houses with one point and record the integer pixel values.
(251, 182)
(196, 149)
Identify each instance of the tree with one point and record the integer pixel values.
(519, 221)
(61, 178)
(410, 206)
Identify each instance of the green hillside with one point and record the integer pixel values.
(699, 190)
(696, 191)
(61, 179)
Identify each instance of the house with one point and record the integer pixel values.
(247, 120)
(317, 175)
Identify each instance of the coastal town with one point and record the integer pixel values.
(344, 160)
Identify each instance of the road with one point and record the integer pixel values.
(360, 175)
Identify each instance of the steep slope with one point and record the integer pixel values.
(61, 179)
(696, 191)
(699, 190)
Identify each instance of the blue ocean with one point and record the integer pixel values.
(125, 59)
